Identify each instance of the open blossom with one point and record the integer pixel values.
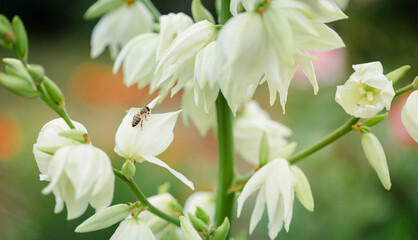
(80, 174)
(410, 115)
(148, 139)
(176, 66)
(275, 184)
(249, 128)
(117, 27)
(366, 92)
(49, 138)
(133, 229)
(278, 35)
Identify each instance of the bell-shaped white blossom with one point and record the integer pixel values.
(249, 127)
(138, 57)
(118, 26)
(275, 184)
(176, 66)
(410, 115)
(133, 229)
(171, 25)
(148, 139)
(278, 36)
(366, 92)
(80, 174)
(204, 200)
(49, 138)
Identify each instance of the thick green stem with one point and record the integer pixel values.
(224, 199)
(138, 193)
(339, 132)
(154, 11)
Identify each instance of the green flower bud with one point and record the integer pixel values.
(16, 68)
(104, 218)
(376, 157)
(128, 169)
(197, 223)
(375, 120)
(76, 135)
(54, 91)
(37, 72)
(101, 7)
(202, 215)
(416, 82)
(18, 85)
(200, 13)
(222, 231)
(4, 25)
(6, 33)
(20, 45)
(397, 74)
(264, 150)
(49, 149)
(164, 188)
(302, 188)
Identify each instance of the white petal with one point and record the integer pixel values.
(258, 210)
(410, 115)
(188, 230)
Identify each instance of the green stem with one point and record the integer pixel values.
(154, 11)
(404, 89)
(224, 199)
(339, 132)
(138, 193)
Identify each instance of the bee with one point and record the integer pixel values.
(140, 116)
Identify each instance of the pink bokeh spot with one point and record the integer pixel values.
(396, 127)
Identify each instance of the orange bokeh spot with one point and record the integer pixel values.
(94, 83)
(9, 137)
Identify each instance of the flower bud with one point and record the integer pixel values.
(20, 45)
(200, 13)
(375, 120)
(197, 223)
(102, 7)
(104, 218)
(54, 92)
(76, 135)
(264, 150)
(4, 25)
(6, 33)
(222, 231)
(397, 74)
(376, 157)
(18, 85)
(128, 169)
(202, 215)
(189, 232)
(37, 72)
(302, 188)
(409, 115)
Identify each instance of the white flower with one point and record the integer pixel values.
(148, 139)
(139, 61)
(117, 27)
(204, 200)
(275, 184)
(80, 174)
(104, 218)
(278, 36)
(49, 138)
(366, 92)
(188, 230)
(176, 66)
(133, 229)
(376, 157)
(410, 115)
(249, 128)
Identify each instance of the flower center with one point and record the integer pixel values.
(367, 91)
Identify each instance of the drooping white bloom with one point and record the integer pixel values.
(275, 184)
(149, 139)
(176, 66)
(410, 115)
(117, 27)
(49, 138)
(133, 229)
(189, 233)
(204, 200)
(80, 174)
(278, 36)
(249, 128)
(139, 60)
(376, 157)
(366, 92)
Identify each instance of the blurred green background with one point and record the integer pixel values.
(350, 202)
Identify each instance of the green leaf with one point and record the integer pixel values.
(375, 120)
